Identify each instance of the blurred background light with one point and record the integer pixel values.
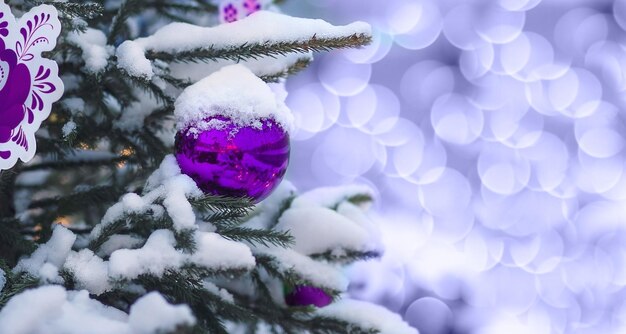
(493, 134)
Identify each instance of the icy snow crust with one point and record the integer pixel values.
(260, 27)
(233, 92)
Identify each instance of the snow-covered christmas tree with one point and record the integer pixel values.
(149, 196)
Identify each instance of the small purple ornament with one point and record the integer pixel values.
(306, 295)
(230, 160)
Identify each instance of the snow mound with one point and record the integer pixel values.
(53, 310)
(318, 230)
(46, 260)
(368, 316)
(233, 92)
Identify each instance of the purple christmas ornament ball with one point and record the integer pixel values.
(231, 160)
(307, 295)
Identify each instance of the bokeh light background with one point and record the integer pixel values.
(493, 132)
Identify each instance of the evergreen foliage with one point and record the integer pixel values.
(77, 177)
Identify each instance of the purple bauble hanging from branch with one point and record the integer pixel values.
(29, 83)
(232, 137)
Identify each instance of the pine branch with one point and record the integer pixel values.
(79, 200)
(210, 203)
(207, 307)
(298, 66)
(65, 164)
(13, 245)
(73, 9)
(149, 87)
(118, 25)
(7, 187)
(346, 256)
(15, 283)
(107, 231)
(227, 218)
(360, 199)
(258, 50)
(256, 236)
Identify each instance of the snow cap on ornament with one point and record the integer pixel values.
(233, 134)
(233, 92)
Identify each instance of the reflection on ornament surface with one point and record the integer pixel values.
(229, 160)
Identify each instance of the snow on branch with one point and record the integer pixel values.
(52, 309)
(367, 316)
(259, 35)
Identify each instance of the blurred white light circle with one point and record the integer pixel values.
(589, 95)
(495, 91)
(517, 5)
(360, 108)
(425, 30)
(343, 77)
(450, 192)
(349, 152)
(520, 251)
(509, 289)
(547, 213)
(549, 160)
(476, 62)
(549, 255)
(453, 226)
(424, 82)
(498, 25)
(402, 16)
(407, 157)
(601, 142)
(619, 12)
(513, 56)
(389, 284)
(476, 249)
(433, 164)
(429, 316)
(502, 170)
(562, 91)
(553, 292)
(314, 109)
(503, 122)
(395, 131)
(608, 60)
(540, 64)
(456, 120)
(372, 53)
(578, 29)
(576, 93)
(598, 175)
(387, 108)
(458, 27)
(307, 109)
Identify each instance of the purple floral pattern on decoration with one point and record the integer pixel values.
(251, 6)
(29, 84)
(233, 10)
(230, 13)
